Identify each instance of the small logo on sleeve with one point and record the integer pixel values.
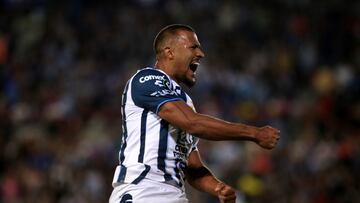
(163, 92)
(159, 83)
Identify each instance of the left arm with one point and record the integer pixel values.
(200, 177)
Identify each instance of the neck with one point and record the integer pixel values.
(167, 68)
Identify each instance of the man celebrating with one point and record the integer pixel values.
(161, 128)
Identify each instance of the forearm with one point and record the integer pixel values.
(182, 116)
(212, 128)
(203, 180)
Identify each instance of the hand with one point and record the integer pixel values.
(225, 193)
(267, 137)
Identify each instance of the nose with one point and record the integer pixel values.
(200, 53)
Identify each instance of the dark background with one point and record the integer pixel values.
(293, 64)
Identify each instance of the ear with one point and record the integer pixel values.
(169, 52)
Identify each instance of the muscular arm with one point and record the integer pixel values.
(181, 115)
(199, 176)
(202, 179)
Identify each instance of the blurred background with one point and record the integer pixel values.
(293, 64)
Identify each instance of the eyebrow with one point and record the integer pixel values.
(196, 46)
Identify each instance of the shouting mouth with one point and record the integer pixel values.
(194, 65)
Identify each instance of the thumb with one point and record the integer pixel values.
(219, 187)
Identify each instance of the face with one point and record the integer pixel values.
(187, 54)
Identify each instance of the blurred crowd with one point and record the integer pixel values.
(292, 64)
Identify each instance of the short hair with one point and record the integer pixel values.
(166, 32)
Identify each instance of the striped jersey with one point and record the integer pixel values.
(151, 147)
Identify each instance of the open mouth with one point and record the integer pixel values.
(193, 66)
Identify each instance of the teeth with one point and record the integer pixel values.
(196, 63)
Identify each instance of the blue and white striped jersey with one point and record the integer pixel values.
(151, 147)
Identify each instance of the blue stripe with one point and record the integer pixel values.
(142, 135)
(163, 148)
(163, 102)
(142, 175)
(122, 173)
(176, 169)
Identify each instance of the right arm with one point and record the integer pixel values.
(179, 114)
(151, 89)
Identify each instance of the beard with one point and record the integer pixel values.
(188, 78)
(189, 82)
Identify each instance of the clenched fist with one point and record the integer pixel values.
(225, 193)
(267, 137)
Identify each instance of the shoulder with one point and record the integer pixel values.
(152, 76)
(147, 74)
(150, 88)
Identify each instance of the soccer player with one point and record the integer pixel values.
(161, 128)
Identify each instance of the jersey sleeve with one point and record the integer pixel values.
(151, 88)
